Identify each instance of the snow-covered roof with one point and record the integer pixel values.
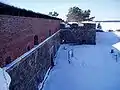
(83, 22)
(89, 22)
(117, 46)
(62, 22)
(72, 22)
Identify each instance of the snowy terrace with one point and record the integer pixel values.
(92, 67)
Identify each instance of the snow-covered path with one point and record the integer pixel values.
(91, 68)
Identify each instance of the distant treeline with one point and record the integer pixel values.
(14, 11)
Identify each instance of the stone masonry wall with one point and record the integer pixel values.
(17, 33)
(29, 70)
(78, 36)
(85, 36)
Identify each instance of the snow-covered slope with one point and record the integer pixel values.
(4, 80)
(92, 67)
(106, 38)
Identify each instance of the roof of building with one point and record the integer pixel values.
(14, 11)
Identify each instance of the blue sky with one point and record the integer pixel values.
(101, 9)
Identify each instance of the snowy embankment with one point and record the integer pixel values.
(92, 67)
(4, 80)
(117, 34)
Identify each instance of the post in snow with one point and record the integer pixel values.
(116, 58)
(70, 55)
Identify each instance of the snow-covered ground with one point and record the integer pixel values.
(92, 67)
(4, 80)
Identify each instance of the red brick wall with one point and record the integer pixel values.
(16, 33)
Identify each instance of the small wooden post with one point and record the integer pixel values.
(116, 58)
(70, 55)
